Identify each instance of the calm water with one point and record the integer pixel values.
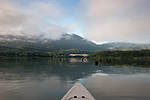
(50, 79)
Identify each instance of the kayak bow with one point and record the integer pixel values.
(78, 92)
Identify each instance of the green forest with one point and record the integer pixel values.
(118, 54)
(65, 53)
(21, 53)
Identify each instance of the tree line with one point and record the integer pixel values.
(21, 53)
(122, 54)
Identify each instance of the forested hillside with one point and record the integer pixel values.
(124, 46)
(20, 46)
(122, 54)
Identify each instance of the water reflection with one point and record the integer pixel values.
(69, 69)
(36, 79)
(22, 68)
(122, 87)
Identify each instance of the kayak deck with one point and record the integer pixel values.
(78, 92)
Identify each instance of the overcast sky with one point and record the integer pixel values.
(96, 20)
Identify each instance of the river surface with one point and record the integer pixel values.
(50, 79)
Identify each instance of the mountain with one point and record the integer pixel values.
(124, 46)
(66, 42)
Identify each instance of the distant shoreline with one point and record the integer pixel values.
(103, 58)
(116, 54)
(119, 54)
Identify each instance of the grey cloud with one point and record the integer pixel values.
(117, 20)
(30, 21)
(10, 16)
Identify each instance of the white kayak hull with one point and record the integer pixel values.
(78, 92)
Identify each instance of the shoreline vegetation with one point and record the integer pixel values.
(115, 54)
(121, 54)
(36, 54)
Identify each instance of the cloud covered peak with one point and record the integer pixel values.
(31, 20)
(96, 20)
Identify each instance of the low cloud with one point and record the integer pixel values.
(116, 20)
(101, 20)
(31, 20)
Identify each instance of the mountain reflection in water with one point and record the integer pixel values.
(50, 79)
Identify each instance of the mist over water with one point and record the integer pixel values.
(50, 79)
